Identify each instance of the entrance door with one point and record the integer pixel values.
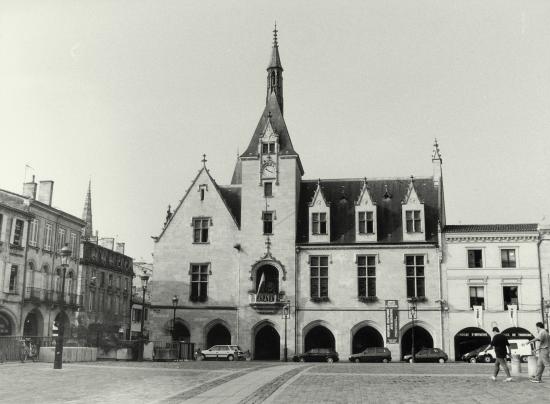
(319, 337)
(267, 344)
(422, 339)
(468, 339)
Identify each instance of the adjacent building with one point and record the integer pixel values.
(492, 278)
(33, 233)
(274, 257)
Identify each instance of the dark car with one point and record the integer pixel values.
(472, 356)
(428, 355)
(317, 355)
(378, 354)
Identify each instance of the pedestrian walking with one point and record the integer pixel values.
(502, 348)
(543, 350)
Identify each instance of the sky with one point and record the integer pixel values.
(130, 94)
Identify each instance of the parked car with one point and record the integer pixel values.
(516, 347)
(472, 355)
(378, 354)
(229, 352)
(428, 355)
(317, 355)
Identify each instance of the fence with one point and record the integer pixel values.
(173, 350)
(10, 347)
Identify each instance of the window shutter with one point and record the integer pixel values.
(2, 227)
(24, 235)
(12, 235)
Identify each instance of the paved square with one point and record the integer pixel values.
(255, 382)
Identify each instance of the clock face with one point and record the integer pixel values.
(268, 169)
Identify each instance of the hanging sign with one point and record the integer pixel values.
(478, 315)
(392, 321)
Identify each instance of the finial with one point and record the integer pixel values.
(275, 43)
(268, 245)
(269, 114)
(204, 160)
(436, 155)
(412, 178)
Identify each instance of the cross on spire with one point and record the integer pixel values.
(204, 160)
(268, 245)
(275, 43)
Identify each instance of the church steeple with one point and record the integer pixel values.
(87, 231)
(275, 73)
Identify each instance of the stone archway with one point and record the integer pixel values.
(468, 339)
(366, 337)
(180, 332)
(422, 339)
(7, 326)
(319, 336)
(267, 343)
(517, 333)
(34, 324)
(218, 335)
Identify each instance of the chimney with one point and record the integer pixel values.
(29, 189)
(45, 192)
(120, 247)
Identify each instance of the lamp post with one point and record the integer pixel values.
(175, 305)
(65, 253)
(412, 316)
(286, 316)
(144, 280)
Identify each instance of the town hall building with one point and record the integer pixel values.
(274, 260)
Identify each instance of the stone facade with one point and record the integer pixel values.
(331, 252)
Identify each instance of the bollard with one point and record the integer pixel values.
(532, 365)
(516, 365)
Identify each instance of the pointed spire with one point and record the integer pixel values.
(275, 61)
(436, 154)
(87, 231)
(204, 160)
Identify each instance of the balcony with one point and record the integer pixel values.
(266, 303)
(34, 294)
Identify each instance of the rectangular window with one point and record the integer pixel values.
(267, 218)
(48, 236)
(366, 223)
(18, 232)
(510, 296)
(74, 246)
(319, 276)
(136, 315)
(34, 233)
(413, 221)
(13, 279)
(200, 230)
(268, 148)
(415, 275)
(366, 275)
(60, 239)
(508, 257)
(199, 282)
(102, 279)
(319, 223)
(477, 296)
(91, 299)
(110, 280)
(268, 189)
(475, 259)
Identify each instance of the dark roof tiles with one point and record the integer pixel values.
(492, 228)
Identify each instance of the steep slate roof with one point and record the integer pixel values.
(494, 228)
(342, 195)
(237, 177)
(232, 199)
(279, 126)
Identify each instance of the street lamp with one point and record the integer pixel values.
(65, 253)
(175, 305)
(286, 316)
(412, 315)
(144, 280)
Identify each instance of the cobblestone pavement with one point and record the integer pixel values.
(255, 382)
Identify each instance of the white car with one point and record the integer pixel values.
(516, 347)
(229, 352)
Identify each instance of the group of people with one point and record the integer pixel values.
(502, 349)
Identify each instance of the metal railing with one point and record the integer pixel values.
(264, 298)
(10, 346)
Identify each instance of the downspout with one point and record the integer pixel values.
(238, 280)
(24, 275)
(441, 304)
(539, 242)
(296, 270)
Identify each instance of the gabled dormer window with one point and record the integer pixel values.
(413, 219)
(365, 215)
(319, 217)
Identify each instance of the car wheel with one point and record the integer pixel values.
(384, 360)
(473, 360)
(302, 360)
(411, 360)
(330, 360)
(524, 359)
(441, 360)
(357, 360)
(487, 359)
(230, 357)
